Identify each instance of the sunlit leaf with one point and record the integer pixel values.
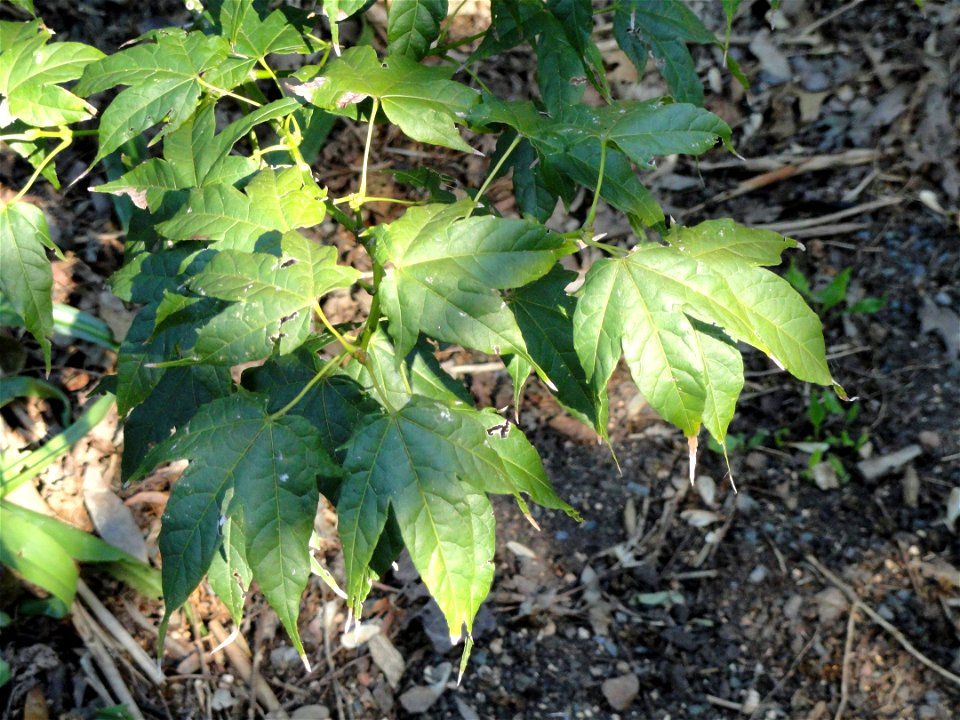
(31, 72)
(422, 101)
(164, 79)
(26, 278)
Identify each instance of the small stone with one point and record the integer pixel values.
(583, 633)
(751, 703)
(831, 604)
(388, 659)
(845, 93)
(746, 503)
(707, 489)
(222, 699)
(420, 698)
(929, 439)
(791, 608)
(756, 460)
(311, 712)
(621, 691)
(758, 574)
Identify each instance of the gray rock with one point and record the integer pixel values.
(621, 691)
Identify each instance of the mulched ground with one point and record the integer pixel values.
(809, 594)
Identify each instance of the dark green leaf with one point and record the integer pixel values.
(444, 266)
(663, 27)
(413, 25)
(544, 313)
(561, 76)
(171, 404)
(334, 405)
(26, 279)
(621, 187)
(270, 465)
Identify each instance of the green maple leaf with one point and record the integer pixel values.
(271, 297)
(31, 73)
(165, 80)
(663, 27)
(432, 464)
(194, 156)
(26, 279)
(413, 25)
(421, 101)
(650, 305)
(272, 203)
(258, 471)
(447, 268)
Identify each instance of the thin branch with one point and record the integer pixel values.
(856, 602)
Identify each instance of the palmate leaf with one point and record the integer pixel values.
(544, 313)
(663, 27)
(570, 144)
(195, 155)
(270, 467)
(648, 305)
(424, 375)
(170, 405)
(432, 464)
(26, 278)
(423, 102)
(447, 268)
(274, 202)
(643, 130)
(255, 37)
(334, 406)
(164, 79)
(412, 26)
(31, 72)
(229, 574)
(271, 298)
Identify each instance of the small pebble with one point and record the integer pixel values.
(758, 574)
(756, 460)
(621, 691)
(929, 439)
